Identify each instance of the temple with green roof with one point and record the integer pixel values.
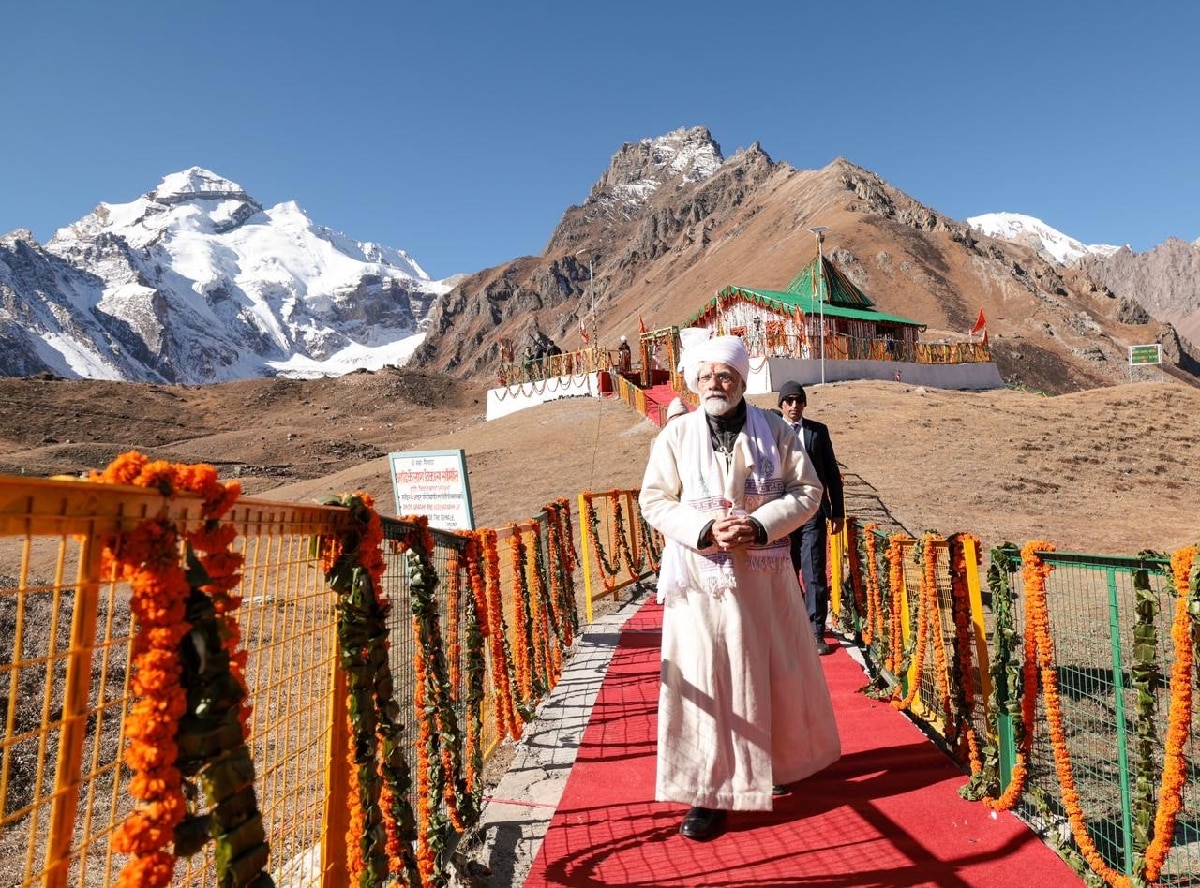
(788, 323)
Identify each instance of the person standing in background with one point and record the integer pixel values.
(626, 356)
(810, 541)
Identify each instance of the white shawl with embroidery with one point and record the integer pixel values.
(704, 490)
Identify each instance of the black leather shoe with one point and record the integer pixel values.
(824, 647)
(780, 789)
(702, 823)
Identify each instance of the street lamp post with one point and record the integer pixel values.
(819, 285)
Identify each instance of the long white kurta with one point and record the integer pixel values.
(743, 702)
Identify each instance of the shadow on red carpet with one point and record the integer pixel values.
(887, 814)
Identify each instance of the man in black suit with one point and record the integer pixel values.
(809, 541)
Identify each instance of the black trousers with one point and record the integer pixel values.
(809, 548)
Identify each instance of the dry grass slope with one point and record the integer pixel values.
(1108, 470)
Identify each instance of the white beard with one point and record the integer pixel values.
(714, 405)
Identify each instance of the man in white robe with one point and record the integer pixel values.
(743, 703)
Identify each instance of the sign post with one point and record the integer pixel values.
(433, 483)
(1143, 356)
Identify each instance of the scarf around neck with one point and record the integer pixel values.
(704, 490)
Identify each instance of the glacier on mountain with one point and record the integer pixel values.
(195, 282)
(1049, 242)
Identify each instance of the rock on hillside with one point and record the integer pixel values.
(1164, 280)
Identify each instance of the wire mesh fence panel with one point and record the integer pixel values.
(1101, 677)
(54, 735)
(1093, 687)
(288, 630)
(878, 616)
(932, 699)
(612, 545)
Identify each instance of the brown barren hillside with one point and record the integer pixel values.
(1110, 470)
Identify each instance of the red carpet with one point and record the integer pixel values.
(887, 814)
(658, 396)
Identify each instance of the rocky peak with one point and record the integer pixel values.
(197, 183)
(639, 169)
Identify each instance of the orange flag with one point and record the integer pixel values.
(980, 325)
(583, 332)
(641, 323)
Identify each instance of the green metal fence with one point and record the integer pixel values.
(1107, 728)
(1110, 620)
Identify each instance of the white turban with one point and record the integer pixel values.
(718, 350)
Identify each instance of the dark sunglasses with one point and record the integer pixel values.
(792, 399)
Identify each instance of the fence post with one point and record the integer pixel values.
(906, 631)
(1114, 635)
(837, 551)
(634, 522)
(979, 630)
(585, 556)
(337, 786)
(1005, 558)
(74, 714)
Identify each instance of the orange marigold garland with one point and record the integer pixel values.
(439, 746)
(941, 660)
(564, 510)
(539, 661)
(476, 666)
(507, 724)
(524, 629)
(188, 675)
(608, 568)
(964, 664)
(620, 536)
(874, 616)
(926, 604)
(1175, 765)
(855, 570)
(382, 826)
(427, 808)
(895, 557)
(552, 608)
(1035, 571)
(652, 541)
(148, 559)
(563, 612)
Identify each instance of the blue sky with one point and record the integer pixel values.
(460, 132)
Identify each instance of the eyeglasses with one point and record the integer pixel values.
(723, 379)
(792, 399)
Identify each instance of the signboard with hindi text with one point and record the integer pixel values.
(433, 483)
(1145, 354)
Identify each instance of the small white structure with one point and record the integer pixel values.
(508, 399)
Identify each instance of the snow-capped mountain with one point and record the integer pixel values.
(1051, 243)
(196, 282)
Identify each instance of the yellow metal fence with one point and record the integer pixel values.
(66, 633)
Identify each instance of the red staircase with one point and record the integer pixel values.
(657, 399)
